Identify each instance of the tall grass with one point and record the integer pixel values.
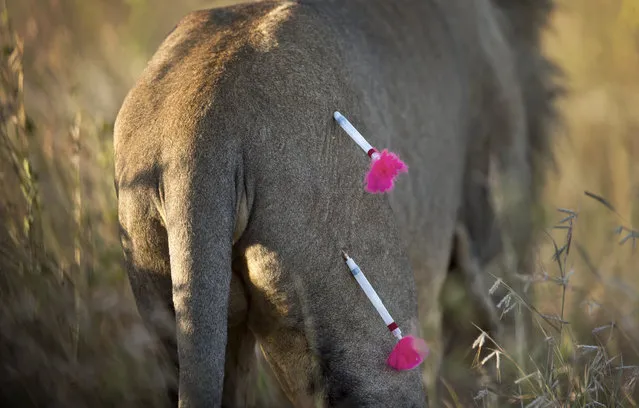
(575, 364)
(67, 337)
(586, 285)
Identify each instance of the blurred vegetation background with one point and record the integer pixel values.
(69, 331)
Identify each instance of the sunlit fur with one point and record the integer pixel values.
(237, 190)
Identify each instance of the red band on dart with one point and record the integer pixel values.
(385, 166)
(409, 352)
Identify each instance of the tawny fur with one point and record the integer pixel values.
(237, 190)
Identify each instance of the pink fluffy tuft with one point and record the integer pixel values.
(384, 169)
(408, 353)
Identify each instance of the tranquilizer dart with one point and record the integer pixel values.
(385, 166)
(409, 352)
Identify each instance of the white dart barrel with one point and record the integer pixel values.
(372, 296)
(355, 135)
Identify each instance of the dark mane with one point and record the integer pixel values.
(521, 24)
(524, 22)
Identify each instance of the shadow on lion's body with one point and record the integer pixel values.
(237, 190)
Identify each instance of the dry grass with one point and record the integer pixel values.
(587, 281)
(69, 332)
